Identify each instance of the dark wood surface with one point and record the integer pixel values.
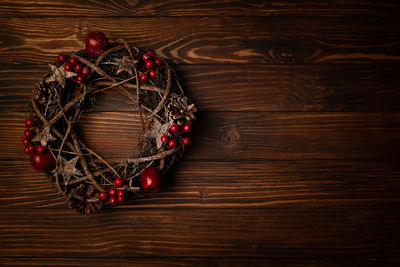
(295, 156)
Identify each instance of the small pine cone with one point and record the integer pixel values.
(180, 110)
(41, 93)
(84, 199)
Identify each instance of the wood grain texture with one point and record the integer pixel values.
(227, 40)
(286, 231)
(75, 8)
(333, 87)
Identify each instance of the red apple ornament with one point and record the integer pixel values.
(42, 161)
(151, 180)
(96, 44)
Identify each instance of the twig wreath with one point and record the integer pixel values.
(86, 180)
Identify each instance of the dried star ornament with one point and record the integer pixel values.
(125, 64)
(68, 168)
(59, 74)
(44, 136)
(158, 131)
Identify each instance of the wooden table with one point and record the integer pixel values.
(295, 156)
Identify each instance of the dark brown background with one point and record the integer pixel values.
(295, 156)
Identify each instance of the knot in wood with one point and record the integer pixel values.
(230, 136)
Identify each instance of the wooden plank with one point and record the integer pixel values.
(331, 87)
(211, 40)
(241, 135)
(203, 261)
(285, 231)
(197, 184)
(75, 8)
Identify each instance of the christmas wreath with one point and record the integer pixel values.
(86, 180)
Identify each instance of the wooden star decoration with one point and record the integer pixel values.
(158, 131)
(44, 136)
(67, 169)
(125, 64)
(59, 75)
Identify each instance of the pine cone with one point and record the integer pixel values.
(180, 110)
(83, 199)
(42, 93)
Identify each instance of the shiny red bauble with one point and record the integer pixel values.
(146, 57)
(40, 149)
(164, 139)
(26, 142)
(187, 128)
(112, 192)
(174, 128)
(143, 77)
(153, 73)
(42, 161)
(29, 123)
(151, 54)
(28, 134)
(85, 71)
(149, 64)
(186, 141)
(80, 78)
(78, 68)
(67, 67)
(172, 143)
(113, 201)
(121, 200)
(61, 58)
(158, 61)
(151, 180)
(103, 195)
(72, 60)
(118, 182)
(96, 43)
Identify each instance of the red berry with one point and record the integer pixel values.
(174, 128)
(121, 200)
(26, 150)
(172, 143)
(62, 58)
(113, 201)
(42, 161)
(31, 148)
(40, 149)
(28, 134)
(146, 57)
(186, 141)
(158, 61)
(25, 142)
(29, 123)
(85, 71)
(112, 192)
(153, 73)
(187, 128)
(118, 182)
(80, 78)
(121, 193)
(67, 67)
(103, 195)
(164, 139)
(151, 179)
(151, 54)
(78, 68)
(72, 60)
(143, 77)
(96, 43)
(149, 64)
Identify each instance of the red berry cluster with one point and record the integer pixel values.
(150, 61)
(28, 134)
(71, 64)
(176, 134)
(115, 196)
